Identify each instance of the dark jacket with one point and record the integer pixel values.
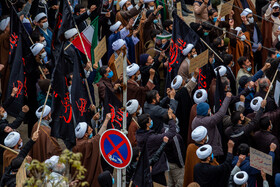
(271, 105)
(175, 150)
(153, 142)
(158, 113)
(245, 28)
(232, 80)
(207, 175)
(9, 179)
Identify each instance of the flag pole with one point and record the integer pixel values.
(9, 149)
(44, 108)
(271, 84)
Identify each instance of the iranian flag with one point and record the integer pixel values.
(89, 37)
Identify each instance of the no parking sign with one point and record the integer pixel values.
(115, 148)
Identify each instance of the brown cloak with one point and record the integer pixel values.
(191, 161)
(192, 116)
(266, 31)
(8, 156)
(124, 16)
(91, 159)
(45, 146)
(133, 127)
(4, 57)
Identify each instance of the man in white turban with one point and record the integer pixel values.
(134, 109)
(189, 52)
(88, 145)
(134, 90)
(46, 145)
(208, 175)
(39, 52)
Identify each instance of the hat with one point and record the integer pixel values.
(40, 16)
(240, 178)
(244, 80)
(238, 29)
(202, 109)
(4, 23)
(116, 26)
(81, 129)
(12, 139)
(132, 69)
(199, 133)
(204, 151)
(44, 84)
(122, 2)
(132, 106)
(118, 44)
(148, 1)
(222, 70)
(143, 59)
(36, 48)
(275, 5)
(70, 33)
(187, 49)
(246, 11)
(178, 83)
(200, 96)
(47, 110)
(256, 103)
(52, 162)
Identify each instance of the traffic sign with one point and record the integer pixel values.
(115, 148)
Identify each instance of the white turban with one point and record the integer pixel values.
(204, 151)
(70, 33)
(132, 106)
(178, 83)
(202, 98)
(275, 5)
(4, 23)
(222, 70)
(81, 129)
(240, 178)
(52, 162)
(122, 2)
(47, 110)
(199, 133)
(36, 48)
(132, 69)
(40, 16)
(148, 1)
(116, 26)
(238, 29)
(12, 139)
(246, 11)
(118, 44)
(256, 103)
(188, 49)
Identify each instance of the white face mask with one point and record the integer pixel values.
(243, 38)
(140, 112)
(138, 77)
(20, 145)
(152, 8)
(129, 7)
(195, 55)
(251, 20)
(45, 25)
(44, 43)
(50, 120)
(207, 139)
(43, 55)
(5, 115)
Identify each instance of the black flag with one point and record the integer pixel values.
(79, 96)
(182, 35)
(142, 176)
(219, 93)
(113, 105)
(206, 74)
(62, 112)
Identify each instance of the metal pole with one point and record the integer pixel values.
(119, 177)
(124, 130)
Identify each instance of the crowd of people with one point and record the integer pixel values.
(194, 135)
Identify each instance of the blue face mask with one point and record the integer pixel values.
(213, 61)
(215, 19)
(90, 136)
(249, 69)
(155, 21)
(278, 55)
(152, 124)
(113, 180)
(110, 75)
(115, 2)
(212, 157)
(206, 34)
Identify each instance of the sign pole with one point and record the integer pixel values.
(119, 177)
(124, 130)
